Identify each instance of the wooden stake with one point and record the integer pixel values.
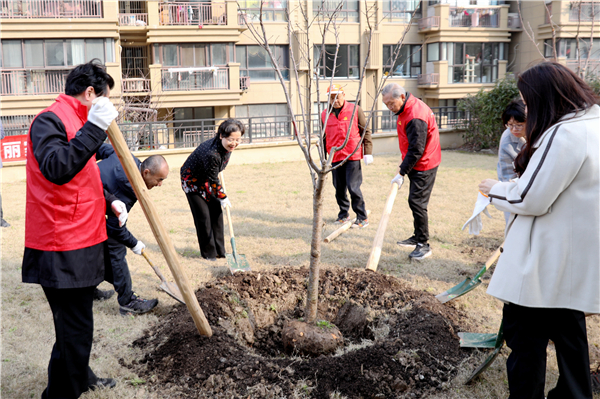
(160, 233)
(378, 242)
(340, 230)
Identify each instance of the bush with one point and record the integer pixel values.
(484, 127)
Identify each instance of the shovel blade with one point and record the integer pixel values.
(477, 340)
(458, 290)
(241, 265)
(173, 290)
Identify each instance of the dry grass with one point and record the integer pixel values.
(272, 217)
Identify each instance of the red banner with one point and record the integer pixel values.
(14, 148)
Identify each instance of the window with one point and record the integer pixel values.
(346, 62)
(401, 10)
(408, 60)
(433, 52)
(55, 53)
(567, 48)
(272, 10)
(589, 11)
(256, 63)
(265, 120)
(193, 54)
(340, 10)
(474, 62)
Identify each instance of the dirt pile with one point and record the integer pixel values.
(399, 343)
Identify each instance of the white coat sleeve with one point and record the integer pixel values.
(550, 171)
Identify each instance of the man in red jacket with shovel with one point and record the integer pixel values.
(348, 177)
(419, 141)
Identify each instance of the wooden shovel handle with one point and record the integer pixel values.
(156, 270)
(378, 241)
(340, 230)
(160, 233)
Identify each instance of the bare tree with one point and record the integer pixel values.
(326, 21)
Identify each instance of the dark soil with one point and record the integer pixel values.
(399, 342)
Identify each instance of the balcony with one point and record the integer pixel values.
(429, 23)
(22, 82)
(429, 80)
(28, 9)
(244, 83)
(192, 14)
(133, 19)
(475, 17)
(136, 85)
(186, 79)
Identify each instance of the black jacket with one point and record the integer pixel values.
(115, 181)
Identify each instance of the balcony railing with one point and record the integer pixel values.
(244, 83)
(136, 85)
(205, 78)
(133, 19)
(12, 9)
(20, 82)
(431, 79)
(474, 17)
(186, 13)
(429, 23)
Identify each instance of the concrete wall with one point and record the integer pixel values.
(383, 143)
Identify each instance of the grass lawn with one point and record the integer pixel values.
(272, 216)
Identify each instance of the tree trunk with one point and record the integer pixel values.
(315, 250)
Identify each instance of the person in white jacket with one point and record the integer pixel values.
(549, 273)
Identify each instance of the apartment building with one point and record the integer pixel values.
(184, 65)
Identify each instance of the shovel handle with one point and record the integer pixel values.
(494, 256)
(158, 273)
(222, 176)
(385, 217)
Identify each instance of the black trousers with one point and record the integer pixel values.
(208, 219)
(116, 270)
(421, 185)
(348, 177)
(527, 332)
(69, 373)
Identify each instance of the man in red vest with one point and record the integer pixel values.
(342, 121)
(419, 141)
(65, 225)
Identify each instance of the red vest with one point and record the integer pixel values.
(417, 109)
(69, 216)
(336, 133)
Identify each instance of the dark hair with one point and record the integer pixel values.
(550, 91)
(230, 126)
(85, 75)
(516, 110)
(153, 163)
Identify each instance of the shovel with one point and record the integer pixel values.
(166, 286)
(490, 359)
(469, 283)
(235, 261)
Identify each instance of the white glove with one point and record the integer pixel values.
(475, 224)
(138, 248)
(120, 210)
(102, 113)
(399, 179)
(225, 202)
(368, 159)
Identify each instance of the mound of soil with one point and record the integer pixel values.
(399, 342)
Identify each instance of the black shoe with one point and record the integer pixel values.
(409, 242)
(103, 383)
(138, 305)
(100, 295)
(421, 251)
(4, 223)
(210, 259)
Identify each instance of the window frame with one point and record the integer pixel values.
(389, 12)
(342, 14)
(159, 58)
(492, 63)
(281, 53)
(105, 43)
(322, 65)
(253, 12)
(414, 50)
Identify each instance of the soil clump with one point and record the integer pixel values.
(398, 342)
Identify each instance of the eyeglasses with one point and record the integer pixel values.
(515, 127)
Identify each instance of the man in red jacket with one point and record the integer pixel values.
(419, 141)
(342, 121)
(65, 226)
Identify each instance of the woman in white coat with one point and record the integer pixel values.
(549, 273)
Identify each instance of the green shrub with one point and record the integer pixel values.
(484, 127)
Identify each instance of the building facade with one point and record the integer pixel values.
(184, 66)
